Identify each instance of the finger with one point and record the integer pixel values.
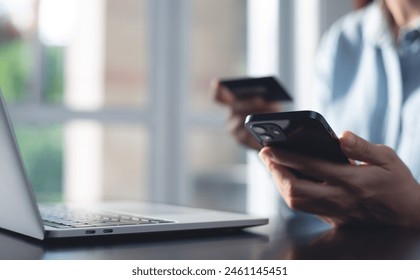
(235, 122)
(301, 194)
(335, 173)
(235, 125)
(359, 149)
(221, 94)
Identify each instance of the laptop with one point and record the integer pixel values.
(20, 212)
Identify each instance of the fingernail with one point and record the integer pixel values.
(348, 140)
(265, 156)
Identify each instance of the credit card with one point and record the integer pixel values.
(267, 87)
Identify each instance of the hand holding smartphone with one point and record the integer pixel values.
(303, 132)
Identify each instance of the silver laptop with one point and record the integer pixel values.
(19, 211)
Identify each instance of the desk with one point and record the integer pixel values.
(297, 238)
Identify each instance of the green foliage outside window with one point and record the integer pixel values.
(42, 148)
(15, 65)
(42, 152)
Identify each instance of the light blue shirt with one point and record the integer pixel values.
(369, 83)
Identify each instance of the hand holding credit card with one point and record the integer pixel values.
(267, 87)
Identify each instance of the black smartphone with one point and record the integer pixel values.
(304, 132)
(267, 87)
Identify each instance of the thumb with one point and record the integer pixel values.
(357, 148)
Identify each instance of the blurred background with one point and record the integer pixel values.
(110, 99)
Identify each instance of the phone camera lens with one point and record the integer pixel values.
(259, 129)
(266, 137)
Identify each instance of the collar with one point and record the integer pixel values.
(414, 25)
(376, 27)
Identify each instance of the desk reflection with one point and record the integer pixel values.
(297, 238)
(354, 244)
(379, 243)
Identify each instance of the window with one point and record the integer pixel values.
(110, 99)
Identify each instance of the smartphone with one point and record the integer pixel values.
(267, 87)
(303, 132)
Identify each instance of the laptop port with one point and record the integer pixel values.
(90, 231)
(108, 230)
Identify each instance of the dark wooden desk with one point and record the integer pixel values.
(298, 238)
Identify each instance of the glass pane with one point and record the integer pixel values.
(126, 53)
(105, 161)
(106, 57)
(85, 161)
(218, 46)
(217, 167)
(217, 163)
(126, 158)
(16, 48)
(42, 153)
(54, 74)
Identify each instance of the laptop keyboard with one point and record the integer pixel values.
(69, 217)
